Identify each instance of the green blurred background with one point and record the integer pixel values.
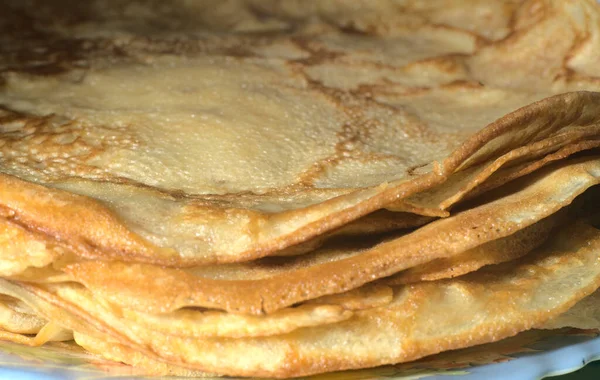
(590, 371)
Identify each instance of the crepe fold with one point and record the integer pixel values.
(282, 188)
(481, 307)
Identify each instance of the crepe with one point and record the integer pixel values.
(16, 317)
(305, 151)
(112, 350)
(22, 249)
(284, 188)
(497, 251)
(485, 306)
(334, 308)
(584, 315)
(251, 288)
(516, 163)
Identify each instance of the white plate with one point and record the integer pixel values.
(530, 355)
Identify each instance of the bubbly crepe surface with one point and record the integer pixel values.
(284, 188)
(241, 136)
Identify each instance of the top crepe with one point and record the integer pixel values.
(207, 147)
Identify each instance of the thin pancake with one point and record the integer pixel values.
(481, 307)
(365, 297)
(375, 223)
(504, 176)
(584, 315)
(463, 183)
(112, 350)
(17, 317)
(174, 220)
(497, 251)
(306, 116)
(213, 323)
(19, 323)
(21, 249)
(188, 323)
(251, 289)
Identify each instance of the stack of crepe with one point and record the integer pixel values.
(285, 188)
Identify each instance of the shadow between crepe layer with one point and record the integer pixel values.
(203, 323)
(251, 289)
(376, 223)
(494, 252)
(584, 315)
(484, 306)
(190, 322)
(505, 176)
(471, 181)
